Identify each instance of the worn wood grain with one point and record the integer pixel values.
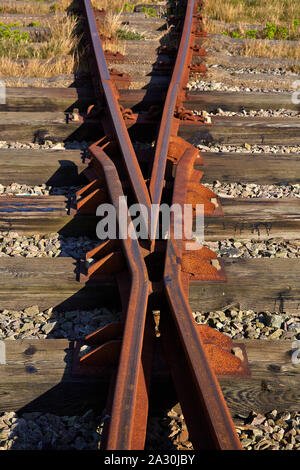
(34, 205)
(232, 101)
(243, 218)
(255, 219)
(255, 168)
(30, 127)
(258, 284)
(40, 126)
(43, 214)
(274, 382)
(62, 99)
(50, 282)
(64, 167)
(237, 130)
(37, 377)
(34, 214)
(45, 223)
(27, 99)
(34, 167)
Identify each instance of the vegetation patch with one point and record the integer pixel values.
(149, 11)
(35, 24)
(263, 48)
(270, 31)
(19, 55)
(7, 32)
(38, 7)
(124, 34)
(272, 20)
(36, 67)
(253, 11)
(126, 6)
(15, 44)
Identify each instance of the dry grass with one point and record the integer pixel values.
(253, 11)
(265, 48)
(216, 27)
(212, 27)
(238, 12)
(25, 8)
(109, 5)
(116, 46)
(37, 68)
(43, 8)
(119, 5)
(62, 5)
(34, 7)
(62, 41)
(111, 24)
(58, 55)
(109, 28)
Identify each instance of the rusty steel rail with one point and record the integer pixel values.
(209, 395)
(111, 96)
(126, 408)
(174, 98)
(195, 355)
(207, 392)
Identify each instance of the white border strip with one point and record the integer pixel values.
(2, 353)
(2, 92)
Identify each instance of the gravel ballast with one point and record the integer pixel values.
(46, 431)
(38, 431)
(33, 323)
(51, 245)
(247, 324)
(18, 189)
(202, 85)
(45, 145)
(279, 72)
(54, 245)
(267, 113)
(252, 190)
(271, 248)
(249, 149)
(275, 430)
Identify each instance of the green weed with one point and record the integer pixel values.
(149, 11)
(129, 8)
(271, 31)
(34, 24)
(123, 34)
(251, 33)
(8, 33)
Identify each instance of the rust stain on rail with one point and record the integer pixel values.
(153, 277)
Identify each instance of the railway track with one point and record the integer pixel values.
(158, 282)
